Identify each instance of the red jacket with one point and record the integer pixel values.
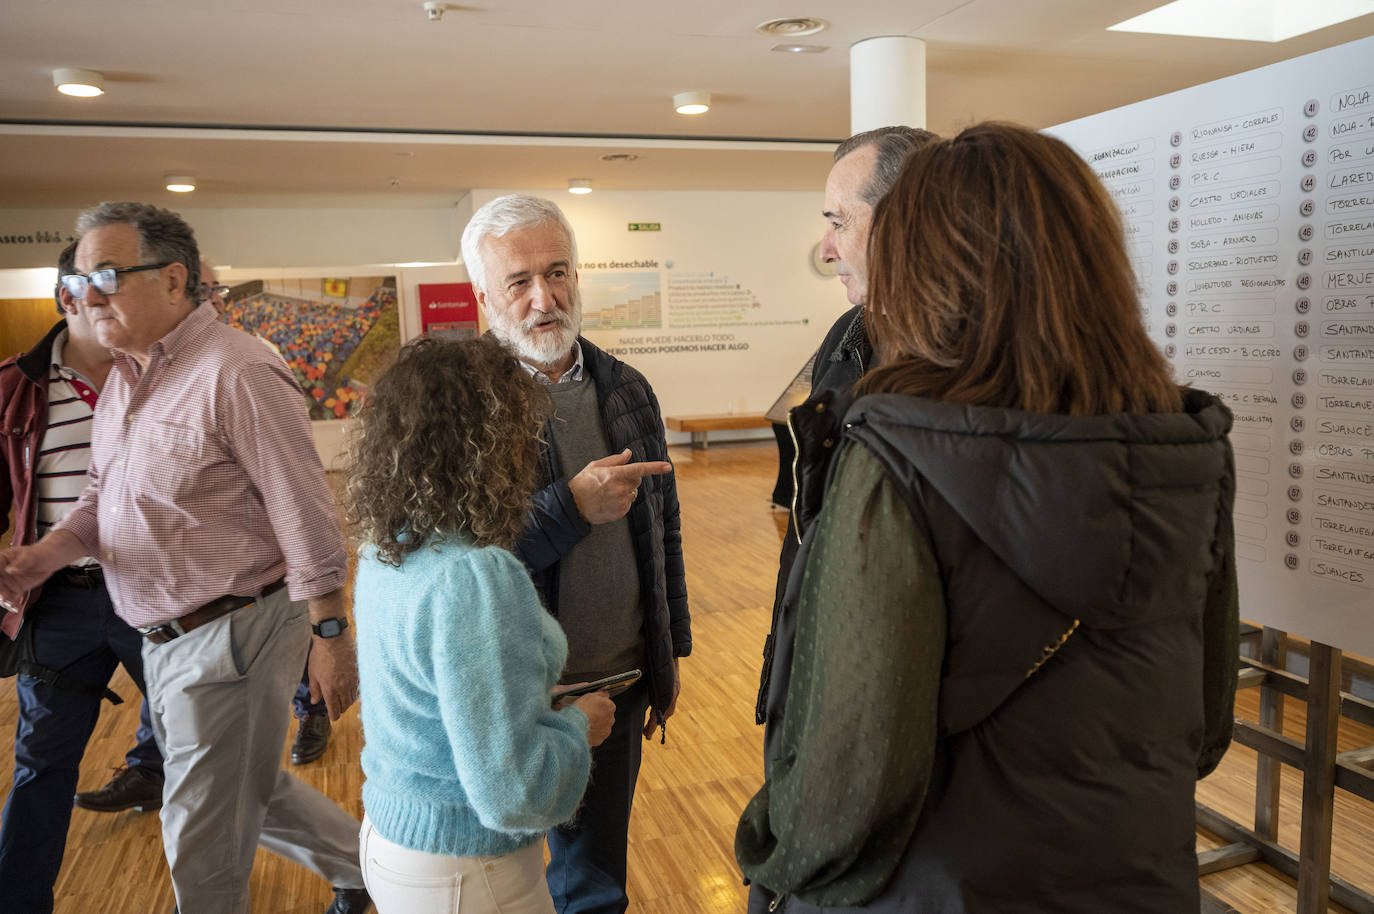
(23, 420)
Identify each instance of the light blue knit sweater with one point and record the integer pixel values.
(456, 656)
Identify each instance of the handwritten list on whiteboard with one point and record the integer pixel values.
(1248, 206)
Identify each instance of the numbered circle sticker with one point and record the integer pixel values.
(1312, 107)
(1294, 516)
(1304, 281)
(1297, 423)
(1171, 288)
(1292, 539)
(1170, 330)
(1299, 400)
(1304, 257)
(1300, 353)
(1175, 160)
(1295, 493)
(1299, 378)
(1176, 138)
(1309, 158)
(1290, 561)
(1175, 182)
(1295, 470)
(1170, 351)
(1309, 183)
(1311, 133)
(1305, 232)
(1171, 308)
(1301, 329)
(1303, 305)
(1307, 207)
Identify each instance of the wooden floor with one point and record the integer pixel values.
(692, 789)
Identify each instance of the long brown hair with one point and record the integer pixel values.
(999, 276)
(447, 443)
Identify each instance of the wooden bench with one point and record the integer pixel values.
(700, 426)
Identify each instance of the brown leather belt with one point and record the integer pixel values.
(175, 628)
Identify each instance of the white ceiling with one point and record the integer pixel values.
(328, 69)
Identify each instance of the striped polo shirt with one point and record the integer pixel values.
(65, 450)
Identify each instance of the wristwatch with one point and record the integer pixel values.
(329, 628)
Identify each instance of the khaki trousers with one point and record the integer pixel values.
(220, 699)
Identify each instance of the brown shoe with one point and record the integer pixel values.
(130, 788)
(311, 739)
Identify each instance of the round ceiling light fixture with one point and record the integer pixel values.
(792, 26)
(579, 186)
(179, 184)
(79, 83)
(692, 103)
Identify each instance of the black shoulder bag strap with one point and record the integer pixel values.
(16, 657)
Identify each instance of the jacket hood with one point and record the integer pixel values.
(1090, 512)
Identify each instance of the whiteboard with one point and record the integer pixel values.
(1248, 205)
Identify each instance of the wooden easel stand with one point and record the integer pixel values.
(1323, 771)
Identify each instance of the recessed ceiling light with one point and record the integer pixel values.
(179, 184)
(619, 157)
(579, 186)
(800, 48)
(1244, 20)
(792, 26)
(692, 102)
(79, 83)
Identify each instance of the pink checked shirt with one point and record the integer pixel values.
(204, 478)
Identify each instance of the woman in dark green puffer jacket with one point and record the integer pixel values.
(1014, 644)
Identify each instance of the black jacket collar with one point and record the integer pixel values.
(34, 363)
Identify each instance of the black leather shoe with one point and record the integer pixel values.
(130, 788)
(350, 901)
(311, 739)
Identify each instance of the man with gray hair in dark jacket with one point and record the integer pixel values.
(603, 542)
(866, 165)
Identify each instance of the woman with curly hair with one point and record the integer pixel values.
(467, 763)
(1008, 647)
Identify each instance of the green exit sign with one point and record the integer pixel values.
(646, 227)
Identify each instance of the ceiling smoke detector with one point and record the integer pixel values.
(792, 26)
(435, 11)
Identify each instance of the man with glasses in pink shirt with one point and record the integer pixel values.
(209, 512)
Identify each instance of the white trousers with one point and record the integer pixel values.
(405, 881)
(220, 699)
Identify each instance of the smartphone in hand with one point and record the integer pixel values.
(613, 685)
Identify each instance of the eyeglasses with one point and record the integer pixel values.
(206, 291)
(105, 281)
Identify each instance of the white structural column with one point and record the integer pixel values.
(887, 83)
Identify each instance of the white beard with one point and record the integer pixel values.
(547, 347)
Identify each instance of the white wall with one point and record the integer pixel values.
(264, 237)
(758, 240)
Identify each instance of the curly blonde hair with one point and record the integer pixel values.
(447, 443)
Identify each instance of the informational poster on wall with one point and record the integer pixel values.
(1248, 206)
(711, 294)
(335, 334)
